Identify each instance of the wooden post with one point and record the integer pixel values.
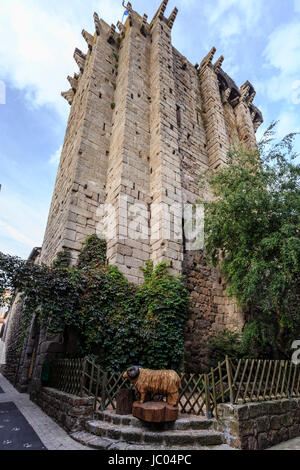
(103, 390)
(229, 379)
(155, 412)
(97, 389)
(125, 399)
(214, 393)
(207, 397)
(82, 377)
(221, 382)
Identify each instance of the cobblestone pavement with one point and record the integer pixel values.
(52, 435)
(293, 444)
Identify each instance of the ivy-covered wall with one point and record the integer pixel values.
(92, 309)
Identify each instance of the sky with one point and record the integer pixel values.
(259, 39)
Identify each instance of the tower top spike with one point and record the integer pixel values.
(172, 17)
(161, 10)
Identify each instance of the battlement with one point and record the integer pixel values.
(230, 92)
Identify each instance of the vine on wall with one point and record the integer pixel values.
(117, 321)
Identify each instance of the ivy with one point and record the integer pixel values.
(252, 229)
(117, 322)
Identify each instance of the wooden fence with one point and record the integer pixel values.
(230, 382)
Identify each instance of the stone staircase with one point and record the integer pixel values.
(116, 432)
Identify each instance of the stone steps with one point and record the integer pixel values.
(115, 432)
(105, 443)
(183, 423)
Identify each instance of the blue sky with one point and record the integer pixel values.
(260, 42)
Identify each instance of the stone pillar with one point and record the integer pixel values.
(128, 172)
(244, 121)
(214, 118)
(165, 174)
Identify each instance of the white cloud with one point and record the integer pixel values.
(16, 235)
(288, 122)
(55, 158)
(231, 27)
(233, 16)
(20, 220)
(37, 42)
(283, 54)
(283, 49)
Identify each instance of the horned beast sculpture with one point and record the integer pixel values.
(155, 382)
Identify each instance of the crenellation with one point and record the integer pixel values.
(160, 12)
(172, 18)
(207, 61)
(144, 25)
(111, 34)
(218, 64)
(68, 95)
(80, 59)
(97, 24)
(89, 39)
(121, 28)
(73, 81)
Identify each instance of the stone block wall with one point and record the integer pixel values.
(211, 310)
(258, 426)
(69, 411)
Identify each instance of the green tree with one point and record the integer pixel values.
(252, 230)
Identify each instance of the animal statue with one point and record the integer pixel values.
(155, 382)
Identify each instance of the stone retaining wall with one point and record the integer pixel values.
(69, 411)
(257, 426)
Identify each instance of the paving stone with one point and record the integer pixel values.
(50, 433)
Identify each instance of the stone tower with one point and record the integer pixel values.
(144, 124)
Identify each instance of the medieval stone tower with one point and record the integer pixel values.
(144, 124)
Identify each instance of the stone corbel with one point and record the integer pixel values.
(247, 93)
(256, 125)
(68, 95)
(172, 18)
(111, 34)
(235, 101)
(229, 90)
(245, 89)
(256, 116)
(97, 24)
(251, 99)
(226, 95)
(218, 64)
(80, 59)
(89, 39)
(73, 82)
